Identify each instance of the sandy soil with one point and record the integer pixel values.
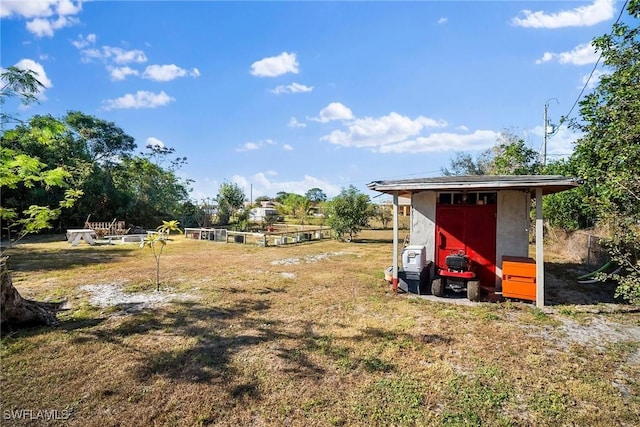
(111, 295)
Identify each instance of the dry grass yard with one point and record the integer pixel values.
(305, 335)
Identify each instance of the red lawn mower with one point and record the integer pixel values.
(459, 276)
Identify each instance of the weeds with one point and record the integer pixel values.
(476, 397)
(550, 405)
(393, 401)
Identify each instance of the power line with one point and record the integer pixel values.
(586, 84)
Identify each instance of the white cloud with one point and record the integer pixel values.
(598, 11)
(203, 188)
(46, 27)
(582, 54)
(378, 132)
(30, 64)
(26, 9)
(395, 133)
(594, 80)
(478, 140)
(252, 146)
(154, 142)
(165, 73)
(121, 73)
(442, 20)
(121, 56)
(44, 16)
(546, 57)
(274, 66)
(241, 181)
(68, 7)
(294, 123)
(249, 146)
(83, 42)
(287, 147)
(115, 55)
(333, 111)
(40, 74)
(292, 88)
(141, 99)
(561, 144)
(263, 184)
(116, 59)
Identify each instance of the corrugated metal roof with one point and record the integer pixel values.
(549, 183)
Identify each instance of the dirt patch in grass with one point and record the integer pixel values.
(309, 259)
(239, 337)
(112, 295)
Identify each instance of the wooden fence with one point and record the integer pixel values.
(113, 228)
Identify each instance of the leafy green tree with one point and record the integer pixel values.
(230, 199)
(148, 191)
(316, 195)
(297, 206)
(608, 155)
(465, 164)
(191, 215)
(349, 212)
(280, 196)
(104, 141)
(93, 158)
(18, 83)
(41, 140)
(509, 156)
(107, 150)
(569, 210)
(384, 213)
(18, 169)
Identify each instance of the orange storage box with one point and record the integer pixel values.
(519, 277)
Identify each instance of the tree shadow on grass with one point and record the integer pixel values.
(369, 241)
(31, 259)
(65, 325)
(208, 354)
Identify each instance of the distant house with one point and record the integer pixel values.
(267, 204)
(263, 215)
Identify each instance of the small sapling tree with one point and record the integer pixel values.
(158, 241)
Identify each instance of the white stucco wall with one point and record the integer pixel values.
(423, 221)
(512, 227)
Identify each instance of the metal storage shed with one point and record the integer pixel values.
(493, 209)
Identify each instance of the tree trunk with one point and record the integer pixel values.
(17, 312)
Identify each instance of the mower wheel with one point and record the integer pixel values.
(437, 286)
(473, 290)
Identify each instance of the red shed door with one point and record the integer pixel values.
(472, 229)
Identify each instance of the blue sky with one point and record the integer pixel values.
(287, 96)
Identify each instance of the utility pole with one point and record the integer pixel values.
(544, 137)
(545, 131)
